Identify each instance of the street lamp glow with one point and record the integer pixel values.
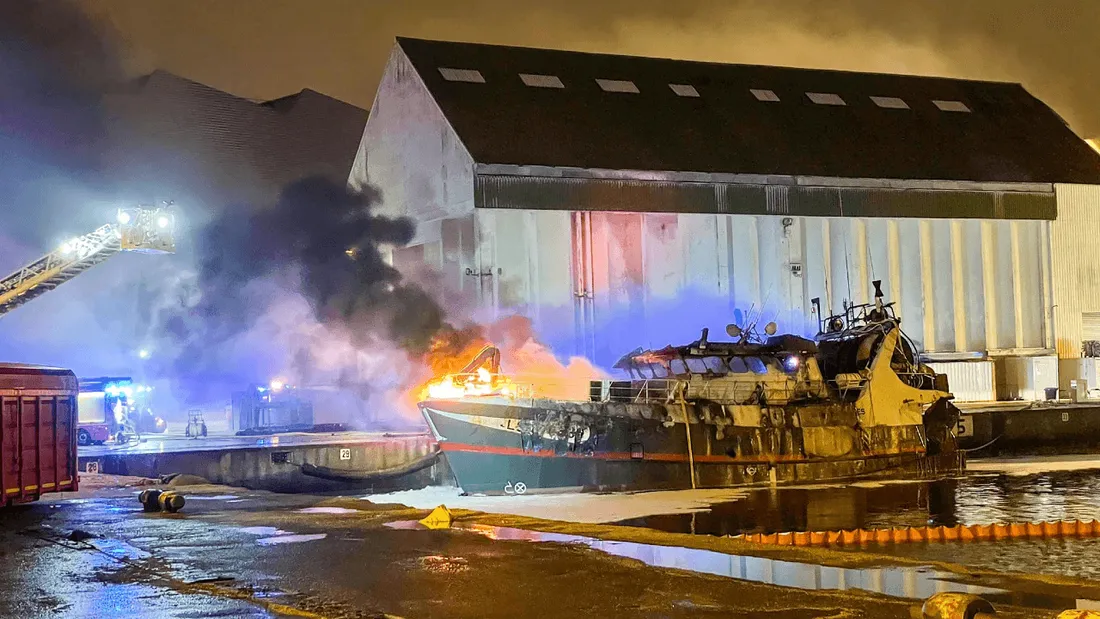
(123, 217)
(143, 354)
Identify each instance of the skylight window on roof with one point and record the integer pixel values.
(825, 98)
(617, 85)
(684, 90)
(764, 95)
(461, 75)
(892, 103)
(541, 81)
(951, 106)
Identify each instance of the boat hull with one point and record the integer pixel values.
(489, 452)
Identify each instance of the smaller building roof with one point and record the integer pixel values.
(539, 107)
(240, 148)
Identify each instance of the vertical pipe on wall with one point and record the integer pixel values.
(827, 267)
(580, 286)
(958, 284)
(862, 269)
(926, 278)
(722, 256)
(532, 282)
(753, 232)
(1045, 284)
(1017, 283)
(989, 284)
(799, 307)
(590, 282)
(893, 250)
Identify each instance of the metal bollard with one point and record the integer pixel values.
(170, 501)
(957, 606)
(150, 500)
(161, 501)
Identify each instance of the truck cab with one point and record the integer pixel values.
(114, 407)
(103, 410)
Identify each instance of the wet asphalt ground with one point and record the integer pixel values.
(242, 553)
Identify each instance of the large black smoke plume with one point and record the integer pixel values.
(55, 65)
(304, 278)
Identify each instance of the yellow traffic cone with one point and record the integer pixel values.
(440, 518)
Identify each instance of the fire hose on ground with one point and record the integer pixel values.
(333, 474)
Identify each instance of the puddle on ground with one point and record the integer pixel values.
(119, 549)
(907, 582)
(216, 497)
(291, 539)
(910, 582)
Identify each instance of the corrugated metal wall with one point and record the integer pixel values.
(1075, 259)
(611, 281)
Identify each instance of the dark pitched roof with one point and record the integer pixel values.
(328, 130)
(237, 148)
(1008, 136)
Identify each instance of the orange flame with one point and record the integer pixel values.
(479, 383)
(533, 369)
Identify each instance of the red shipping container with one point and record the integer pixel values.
(38, 419)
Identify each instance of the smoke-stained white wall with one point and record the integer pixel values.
(960, 285)
(405, 126)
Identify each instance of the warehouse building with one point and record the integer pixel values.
(623, 201)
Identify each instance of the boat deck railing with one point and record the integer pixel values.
(664, 390)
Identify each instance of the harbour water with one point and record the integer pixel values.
(981, 498)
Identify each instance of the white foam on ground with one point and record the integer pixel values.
(291, 539)
(1034, 465)
(263, 531)
(579, 507)
(328, 510)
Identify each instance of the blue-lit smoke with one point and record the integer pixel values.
(658, 322)
(57, 180)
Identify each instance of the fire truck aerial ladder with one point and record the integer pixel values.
(146, 230)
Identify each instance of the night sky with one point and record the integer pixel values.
(267, 48)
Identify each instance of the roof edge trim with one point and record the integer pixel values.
(496, 169)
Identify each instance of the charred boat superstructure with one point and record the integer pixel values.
(855, 402)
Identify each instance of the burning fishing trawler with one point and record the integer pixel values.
(854, 402)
